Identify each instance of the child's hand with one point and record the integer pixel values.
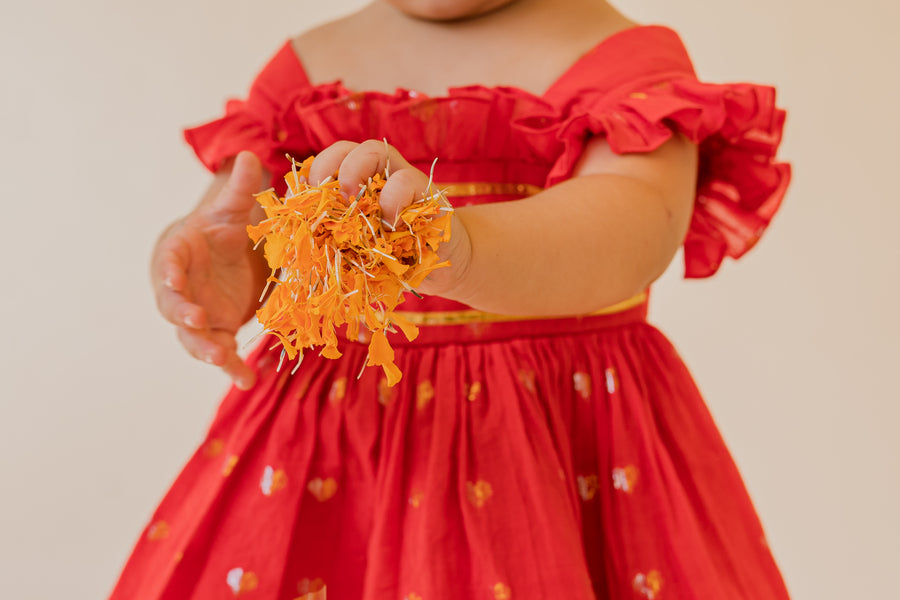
(205, 274)
(356, 163)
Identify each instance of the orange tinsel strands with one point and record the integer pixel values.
(336, 262)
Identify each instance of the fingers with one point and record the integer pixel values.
(164, 263)
(241, 374)
(236, 198)
(402, 188)
(365, 160)
(362, 162)
(328, 162)
(219, 348)
(356, 163)
(216, 347)
(176, 309)
(167, 268)
(169, 279)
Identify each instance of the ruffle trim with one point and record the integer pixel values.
(240, 129)
(737, 127)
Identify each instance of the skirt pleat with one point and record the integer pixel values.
(581, 465)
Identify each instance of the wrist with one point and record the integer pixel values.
(452, 281)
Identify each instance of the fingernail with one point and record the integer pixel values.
(169, 283)
(190, 322)
(209, 358)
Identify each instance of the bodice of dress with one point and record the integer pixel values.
(634, 88)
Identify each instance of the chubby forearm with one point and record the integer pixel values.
(577, 247)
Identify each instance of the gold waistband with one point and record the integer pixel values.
(487, 188)
(463, 317)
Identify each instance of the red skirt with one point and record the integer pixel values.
(558, 458)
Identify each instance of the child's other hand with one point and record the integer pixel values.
(356, 163)
(205, 274)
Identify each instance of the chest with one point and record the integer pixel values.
(435, 70)
(431, 66)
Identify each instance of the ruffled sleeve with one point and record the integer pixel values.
(653, 92)
(254, 124)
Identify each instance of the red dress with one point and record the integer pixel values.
(534, 459)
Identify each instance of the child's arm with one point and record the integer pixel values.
(205, 274)
(589, 242)
(584, 244)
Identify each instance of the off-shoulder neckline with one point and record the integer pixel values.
(604, 45)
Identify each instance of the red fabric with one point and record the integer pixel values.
(633, 88)
(570, 458)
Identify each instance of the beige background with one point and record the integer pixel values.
(796, 347)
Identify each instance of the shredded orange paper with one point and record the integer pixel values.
(335, 261)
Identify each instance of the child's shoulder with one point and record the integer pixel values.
(321, 48)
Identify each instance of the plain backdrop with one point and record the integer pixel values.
(796, 347)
